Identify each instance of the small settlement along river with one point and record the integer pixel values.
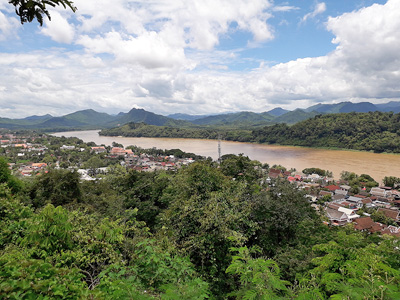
(376, 165)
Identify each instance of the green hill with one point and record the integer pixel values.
(244, 118)
(343, 107)
(38, 118)
(373, 131)
(83, 119)
(142, 116)
(393, 106)
(89, 117)
(186, 117)
(295, 116)
(25, 122)
(60, 122)
(276, 112)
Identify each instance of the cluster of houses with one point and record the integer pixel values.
(32, 169)
(22, 148)
(343, 206)
(21, 145)
(131, 161)
(146, 162)
(312, 178)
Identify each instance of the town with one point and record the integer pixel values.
(30, 155)
(353, 199)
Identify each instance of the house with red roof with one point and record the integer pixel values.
(332, 187)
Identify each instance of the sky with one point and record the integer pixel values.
(199, 56)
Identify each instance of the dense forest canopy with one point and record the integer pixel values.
(144, 130)
(373, 131)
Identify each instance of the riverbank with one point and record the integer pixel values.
(336, 161)
(268, 144)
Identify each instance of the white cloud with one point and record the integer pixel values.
(157, 33)
(152, 66)
(319, 9)
(8, 26)
(368, 40)
(148, 50)
(58, 29)
(285, 8)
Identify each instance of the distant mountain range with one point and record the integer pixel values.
(346, 107)
(91, 119)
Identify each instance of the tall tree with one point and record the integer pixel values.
(205, 218)
(278, 213)
(7, 178)
(58, 187)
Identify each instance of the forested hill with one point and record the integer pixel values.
(143, 130)
(373, 131)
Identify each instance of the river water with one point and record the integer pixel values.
(376, 165)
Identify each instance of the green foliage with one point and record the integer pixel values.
(352, 268)
(373, 131)
(99, 243)
(23, 278)
(324, 199)
(204, 210)
(348, 176)
(259, 278)
(115, 144)
(170, 235)
(58, 187)
(5, 173)
(278, 212)
(94, 163)
(391, 181)
(241, 168)
(144, 130)
(49, 232)
(14, 218)
(5, 177)
(143, 190)
(118, 282)
(279, 167)
(102, 197)
(193, 289)
(178, 153)
(154, 271)
(356, 181)
(318, 171)
(161, 269)
(379, 216)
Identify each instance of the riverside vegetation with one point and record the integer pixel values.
(206, 231)
(373, 131)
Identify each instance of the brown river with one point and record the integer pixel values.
(376, 165)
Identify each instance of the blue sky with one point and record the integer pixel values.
(199, 57)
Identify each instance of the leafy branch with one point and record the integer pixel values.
(28, 10)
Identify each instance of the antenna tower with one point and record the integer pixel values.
(219, 148)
